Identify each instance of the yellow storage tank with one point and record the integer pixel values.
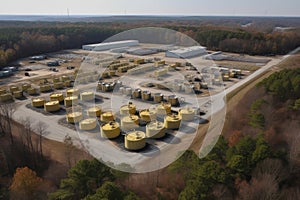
(137, 93)
(56, 97)
(187, 114)
(112, 73)
(135, 140)
(6, 97)
(56, 80)
(147, 115)
(105, 75)
(58, 85)
(88, 124)
(45, 88)
(25, 86)
(3, 91)
(138, 61)
(87, 96)
(13, 89)
(32, 91)
(155, 129)
(65, 78)
(110, 130)
(67, 83)
(203, 85)
(129, 109)
(172, 121)
(72, 92)
(158, 97)
(18, 94)
(146, 95)
(129, 122)
(70, 101)
(163, 109)
(38, 102)
(107, 117)
(173, 100)
(74, 117)
(94, 111)
(225, 78)
(52, 106)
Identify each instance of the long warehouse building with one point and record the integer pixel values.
(187, 52)
(110, 45)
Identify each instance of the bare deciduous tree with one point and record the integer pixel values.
(41, 130)
(263, 188)
(270, 166)
(6, 112)
(294, 153)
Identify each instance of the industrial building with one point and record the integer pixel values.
(187, 52)
(110, 45)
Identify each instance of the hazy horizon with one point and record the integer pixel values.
(265, 8)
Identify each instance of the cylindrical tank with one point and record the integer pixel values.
(13, 89)
(65, 78)
(58, 85)
(129, 109)
(155, 129)
(173, 100)
(108, 87)
(172, 121)
(188, 89)
(135, 140)
(32, 91)
(70, 101)
(121, 90)
(88, 124)
(52, 106)
(87, 96)
(163, 109)
(129, 122)
(3, 91)
(18, 94)
(137, 93)
(112, 73)
(107, 117)
(38, 102)
(56, 80)
(177, 87)
(6, 97)
(45, 88)
(187, 114)
(74, 117)
(110, 130)
(72, 92)
(56, 97)
(146, 95)
(25, 86)
(148, 115)
(67, 83)
(105, 75)
(158, 97)
(94, 111)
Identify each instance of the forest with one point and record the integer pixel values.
(22, 39)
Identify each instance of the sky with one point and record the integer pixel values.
(152, 7)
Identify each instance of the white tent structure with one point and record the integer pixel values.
(110, 45)
(187, 52)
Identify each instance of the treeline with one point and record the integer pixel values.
(284, 84)
(19, 42)
(245, 41)
(22, 39)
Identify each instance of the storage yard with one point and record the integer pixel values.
(138, 102)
